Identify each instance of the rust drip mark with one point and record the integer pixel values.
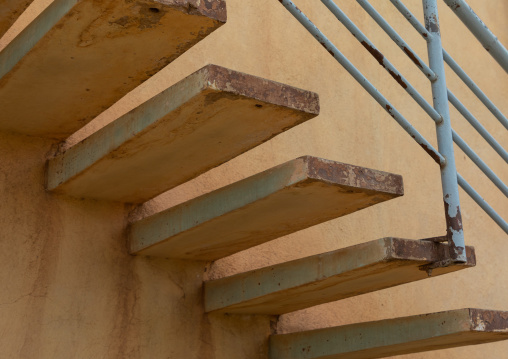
(432, 24)
(430, 152)
(374, 52)
(453, 224)
(389, 109)
(398, 78)
(412, 56)
(329, 51)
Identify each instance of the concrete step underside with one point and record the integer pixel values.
(287, 198)
(10, 10)
(392, 337)
(327, 277)
(77, 58)
(199, 123)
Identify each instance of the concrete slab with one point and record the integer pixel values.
(10, 10)
(77, 58)
(287, 198)
(327, 277)
(201, 122)
(391, 337)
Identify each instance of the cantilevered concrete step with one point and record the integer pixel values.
(282, 200)
(203, 121)
(399, 336)
(77, 58)
(323, 278)
(10, 10)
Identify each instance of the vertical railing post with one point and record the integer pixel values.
(455, 233)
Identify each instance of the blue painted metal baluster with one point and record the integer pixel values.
(362, 80)
(430, 74)
(397, 39)
(482, 203)
(475, 89)
(453, 64)
(440, 112)
(489, 41)
(478, 126)
(479, 162)
(410, 17)
(383, 61)
(455, 231)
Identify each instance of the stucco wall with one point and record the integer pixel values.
(70, 290)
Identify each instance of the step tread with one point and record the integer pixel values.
(282, 200)
(10, 10)
(327, 277)
(392, 337)
(199, 123)
(77, 58)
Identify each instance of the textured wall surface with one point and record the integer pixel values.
(71, 290)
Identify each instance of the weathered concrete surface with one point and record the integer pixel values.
(10, 11)
(261, 38)
(327, 277)
(203, 121)
(290, 197)
(387, 338)
(90, 55)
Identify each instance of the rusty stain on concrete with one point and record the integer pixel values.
(489, 320)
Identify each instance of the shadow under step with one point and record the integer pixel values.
(282, 200)
(327, 277)
(392, 337)
(77, 58)
(10, 10)
(199, 123)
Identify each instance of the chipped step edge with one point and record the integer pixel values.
(276, 93)
(215, 9)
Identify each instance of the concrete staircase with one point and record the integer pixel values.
(201, 122)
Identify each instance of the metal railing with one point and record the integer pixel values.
(439, 111)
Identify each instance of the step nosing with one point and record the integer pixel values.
(350, 271)
(180, 133)
(397, 336)
(270, 204)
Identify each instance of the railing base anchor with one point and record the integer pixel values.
(440, 264)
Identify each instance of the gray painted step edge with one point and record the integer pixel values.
(282, 200)
(392, 337)
(199, 123)
(327, 277)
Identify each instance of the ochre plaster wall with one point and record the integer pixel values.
(70, 290)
